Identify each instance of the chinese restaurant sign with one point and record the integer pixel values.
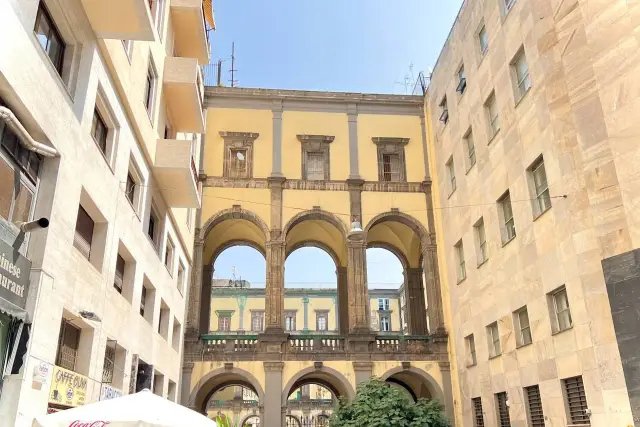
(14, 275)
(67, 388)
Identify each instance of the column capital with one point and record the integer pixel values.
(362, 365)
(273, 366)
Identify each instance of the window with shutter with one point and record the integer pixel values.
(109, 362)
(478, 416)
(315, 166)
(322, 321)
(118, 279)
(257, 321)
(84, 233)
(576, 401)
(503, 410)
(68, 345)
(224, 324)
(534, 406)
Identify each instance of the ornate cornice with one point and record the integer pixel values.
(389, 140)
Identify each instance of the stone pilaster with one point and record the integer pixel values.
(355, 198)
(205, 299)
(363, 371)
(357, 282)
(352, 116)
(273, 394)
(434, 291)
(185, 384)
(305, 306)
(416, 308)
(274, 304)
(342, 310)
(447, 390)
(195, 290)
(242, 301)
(423, 127)
(276, 161)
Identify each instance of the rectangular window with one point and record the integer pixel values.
(534, 406)
(153, 227)
(576, 401)
(462, 270)
(238, 162)
(315, 166)
(521, 73)
(478, 416)
(521, 320)
(99, 131)
(538, 177)
(508, 4)
(508, 223)
(444, 115)
(180, 278)
(49, 37)
(471, 149)
(503, 410)
(492, 113)
(109, 362)
(143, 300)
(481, 241)
(150, 88)
(68, 342)
(189, 218)
(483, 38)
(127, 45)
(391, 167)
(18, 179)
(257, 321)
(290, 320)
(383, 304)
(561, 310)
(130, 188)
(470, 344)
(462, 81)
(452, 176)
(385, 323)
(493, 336)
(322, 321)
(169, 255)
(118, 279)
(83, 236)
(224, 323)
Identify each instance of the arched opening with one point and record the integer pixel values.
(250, 421)
(325, 381)
(234, 403)
(400, 236)
(237, 290)
(315, 274)
(311, 404)
(228, 391)
(386, 283)
(416, 383)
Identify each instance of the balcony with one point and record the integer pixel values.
(183, 89)
(120, 19)
(175, 171)
(190, 30)
(238, 347)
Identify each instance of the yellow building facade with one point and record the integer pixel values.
(341, 172)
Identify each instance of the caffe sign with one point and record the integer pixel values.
(67, 388)
(14, 275)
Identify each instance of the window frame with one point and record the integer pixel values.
(519, 90)
(322, 314)
(502, 409)
(143, 301)
(493, 123)
(64, 324)
(390, 147)
(556, 314)
(483, 49)
(444, 110)
(385, 303)
(88, 240)
(541, 196)
(257, 315)
(99, 123)
(470, 146)
(386, 316)
(150, 88)
(153, 214)
(507, 222)
(517, 320)
(57, 63)
(224, 322)
(26, 183)
(461, 271)
(478, 412)
(238, 141)
(181, 277)
(169, 255)
(117, 275)
(494, 340)
(290, 325)
(451, 172)
(535, 414)
(462, 80)
(470, 350)
(481, 242)
(582, 403)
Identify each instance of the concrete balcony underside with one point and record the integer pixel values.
(176, 173)
(183, 91)
(189, 29)
(120, 19)
(316, 348)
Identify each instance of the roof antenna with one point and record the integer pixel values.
(233, 70)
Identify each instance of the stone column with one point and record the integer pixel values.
(447, 390)
(195, 289)
(205, 299)
(434, 292)
(242, 302)
(274, 304)
(276, 161)
(357, 283)
(416, 307)
(352, 116)
(363, 370)
(305, 303)
(185, 385)
(342, 311)
(273, 394)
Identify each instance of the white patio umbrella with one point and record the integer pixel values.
(143, 409)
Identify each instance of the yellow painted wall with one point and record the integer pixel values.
(412, 204)
(257, 201)
(377, 125)
(296, 201)
(238, 120)
(311, 123)
(394, 306)
(316, 303)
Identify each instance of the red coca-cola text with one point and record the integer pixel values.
(78, 423)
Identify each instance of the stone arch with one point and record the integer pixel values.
(232, 243)
(403, 376)
(328, 377)
(247, 418)
(316, 214)
(402, 218)
(218, 379)
(314, 244)
(393, 249)
(296, 421)
(235, 212)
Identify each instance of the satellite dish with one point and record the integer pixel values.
(240, 156)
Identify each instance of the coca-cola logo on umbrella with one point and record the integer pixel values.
(89, 424)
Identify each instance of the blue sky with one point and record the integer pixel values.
(335, 45)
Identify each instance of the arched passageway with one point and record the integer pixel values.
(386, 286)
(417, 383)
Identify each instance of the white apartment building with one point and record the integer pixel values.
(100, 123)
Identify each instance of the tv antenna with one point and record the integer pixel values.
(233, 70)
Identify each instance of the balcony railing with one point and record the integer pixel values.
(230, 346)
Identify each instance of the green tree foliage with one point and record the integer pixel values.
(377, 404)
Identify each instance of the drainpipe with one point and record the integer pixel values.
(25, 138)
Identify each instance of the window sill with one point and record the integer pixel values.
(461, 280)
(104, 156)
(541, 213)
(523, 345)
(493, 136)
(472, 365)
(451, 193)
(495, 357)
(506, 242)
(524, 95)
(482, 263)
(469, 169)
(553, 334)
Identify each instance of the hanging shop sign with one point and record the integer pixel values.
(107, 392)
(14, 275)
(68, 388)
